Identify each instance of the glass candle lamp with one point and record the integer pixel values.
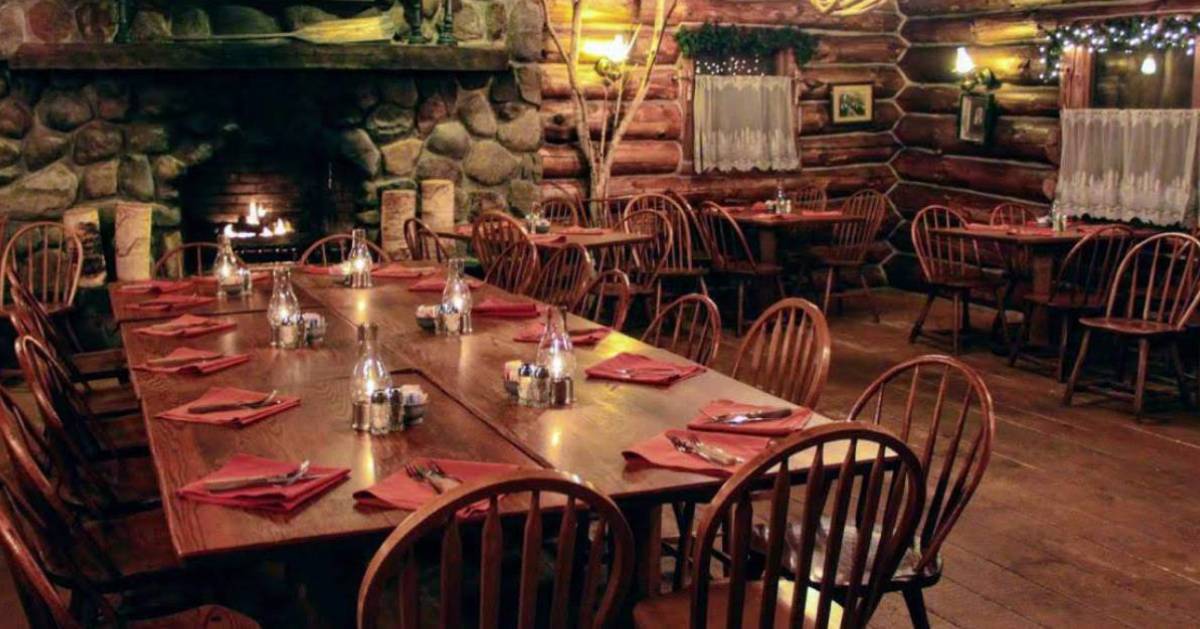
(359, 260)
(370, 376)
(556, 355)
(456, 299)
(283, 311)
(227, 269)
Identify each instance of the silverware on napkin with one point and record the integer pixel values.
(224, 407)
(704, 451)
(433, 476)
(181, 362)
(749, 417)
(282, 480)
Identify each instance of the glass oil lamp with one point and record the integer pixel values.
(557, 356)
(455, 311)
(370, 382)
(283, 310)
(359, 260)
(227, 269)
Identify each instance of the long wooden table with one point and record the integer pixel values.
(611, 238)
(255, 300)
(471, 416)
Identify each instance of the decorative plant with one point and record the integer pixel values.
(716, 40)
(618, 76)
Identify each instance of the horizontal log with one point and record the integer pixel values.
(845, 149)
(838, 182)
(1020, 64)
(668, 53)
(656, 120)
(1032, 138)
(594, 11)
(633, 157)
(819, 80)
(555, 83)
(1011, 100)
(833, 48)
(817, 119)
(775, 13)
(914, 8)
(1018, 179)
(910, 197)
(978, 30)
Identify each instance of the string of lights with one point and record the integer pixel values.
(1127, 34)
(747, 65)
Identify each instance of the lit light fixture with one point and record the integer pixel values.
(973, 76)
(1149, 65)
(611, 55)
(843, 8)
(963, 63)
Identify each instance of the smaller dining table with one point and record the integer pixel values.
(607, 238)
(768, 225)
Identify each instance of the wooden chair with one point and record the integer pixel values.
(334, 250)
(732, 256)
(590, 531)
(61, 595)
(516, 269)
(786, 352)
(30, 319)
(188, 260)
(423, 243)
(611, 286)
(809, 199)
(679, 263)
(847, 251)
(604, 212)
(1155, 292)
(493, 234)
(1080, 288)
(689, 326)
(644, 261)
(565, 275)
(952, 268)
(559, 211)
(888, 500)
(47, 258)
(1012, 214)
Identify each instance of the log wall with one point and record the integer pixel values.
(657, 154)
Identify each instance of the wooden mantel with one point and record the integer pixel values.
(257, 56)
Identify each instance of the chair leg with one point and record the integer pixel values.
(703, 286)
(1180, 377)
(1069, 391)
(1001, 319)
(862, 279)
(920, 322)
(828, 290)
(1064, 343)
(685, 513)
(959, 321)
(966, 310)
(779, 285)
(915, 600)
(1018, 343)
(1143, 364)
(741, 305)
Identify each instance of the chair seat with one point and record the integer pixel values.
(746, 267)
(113, 400)
(1131, 327)
(124, 433)
(205, 617)
(967, 282)
(824, 255)
(106, 363)
(138, 544)
(133, 481)
(674, 610)
(1066, 301)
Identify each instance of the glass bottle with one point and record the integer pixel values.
(283, 309)
(456, 297)
(370, 375)
(360, 259)
(227, 269)
(555, 351)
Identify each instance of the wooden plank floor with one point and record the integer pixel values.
(1084, 518)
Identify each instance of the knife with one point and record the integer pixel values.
(229, 484)
(182, 362)
(765, 414)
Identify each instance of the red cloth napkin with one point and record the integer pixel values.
(398, 491)
(316, 269)
(547, 239)
(822, 214)
(759, 206)
(206, 362)
(187, 326)
(438, 284)
(211, 280)
(496, 307)
(643, 370)
(579, 230)
(401, 272)
(772, 428)
(274, 498)
(985, 227)
(465, 230)
(154, 287)
(230, 395)
(167, 303)
(582, 338)
(658, 451)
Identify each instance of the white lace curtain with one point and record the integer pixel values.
(744, 122)
(1123, 164)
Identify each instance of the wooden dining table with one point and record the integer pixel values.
(255, 300)
(769, 225)
(608, 238)
(470, 416)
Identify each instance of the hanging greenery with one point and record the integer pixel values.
(716, 40)
(1126, 34)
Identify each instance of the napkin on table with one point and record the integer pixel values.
(274, 498)
(659, 452)
(230, 395)
(398, 491)
(496, 307)
(582, 338)
(169, 302)
(187, 326)
(206, 362)
(642, 370)
(769, 428)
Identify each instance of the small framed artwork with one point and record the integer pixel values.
(975, 115)
(853, 103)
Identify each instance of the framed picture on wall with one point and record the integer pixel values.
(853, 103)
(975, 115)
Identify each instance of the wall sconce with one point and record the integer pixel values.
(1149, 65)
(610, 56)
(973, 76)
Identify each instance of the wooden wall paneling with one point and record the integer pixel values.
(1012, 100)
(1023, 180)
(633, 157)
(655, 119)
(847, 148)
(1033, 138)
(1075, 85)
(556, 85)
(776, 13)
(816, 118)
(1017, 64)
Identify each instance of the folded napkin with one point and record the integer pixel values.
(579, 230)
(985, 227)
(504, 308)
(167, 303)
(399, 491)
(205, 362)
(401, 272)
(627, 367)
(187, 326)
(770, 428)
(659, 452)
(465, 230)
(274, 498)
(821, 214)
(236, 417)
(317, 269)
(547, 239)
(438, 284)
(759, 206)
(584, 337)
(154, 287)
